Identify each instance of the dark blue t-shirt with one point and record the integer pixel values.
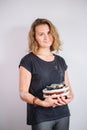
(44, 73)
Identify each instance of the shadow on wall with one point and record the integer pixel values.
(13, 110)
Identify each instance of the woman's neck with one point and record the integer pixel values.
(44, 52)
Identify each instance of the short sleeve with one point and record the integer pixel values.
(65, 66)
(61, 61)
(26, 63)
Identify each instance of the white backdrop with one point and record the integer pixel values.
(16, 16)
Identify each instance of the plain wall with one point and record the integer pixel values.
(16, 16)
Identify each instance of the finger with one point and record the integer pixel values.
(61, 101)
(58, 104)
(54, 96)
(69, 96)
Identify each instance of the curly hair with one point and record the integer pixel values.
(33, 45)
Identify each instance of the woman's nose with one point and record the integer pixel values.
(46, 36)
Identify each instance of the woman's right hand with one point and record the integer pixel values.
(53, 101)
(50, 102)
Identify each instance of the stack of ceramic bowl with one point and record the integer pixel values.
(57, 89)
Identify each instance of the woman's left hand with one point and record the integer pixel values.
(63, 100)
(67, 99)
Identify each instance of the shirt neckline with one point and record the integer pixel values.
(44, 60)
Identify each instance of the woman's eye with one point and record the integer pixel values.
(41, 34)
(49, 32)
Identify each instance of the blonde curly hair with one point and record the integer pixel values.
(33, 45)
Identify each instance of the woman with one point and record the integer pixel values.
(38, 69)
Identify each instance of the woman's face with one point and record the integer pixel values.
(43, 36)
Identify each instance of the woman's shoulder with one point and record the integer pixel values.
(60, 60)
(26, 61)
(59, 57)
(27, 56)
